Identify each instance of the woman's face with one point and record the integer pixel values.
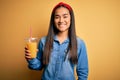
(62, 19)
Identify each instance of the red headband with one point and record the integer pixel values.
(62, 4)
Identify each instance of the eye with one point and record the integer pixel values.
(65, 16)
(56, 17)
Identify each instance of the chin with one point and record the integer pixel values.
(62, 30)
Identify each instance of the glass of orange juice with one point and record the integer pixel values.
(31, 44)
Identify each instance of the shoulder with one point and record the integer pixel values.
(80, 41)
(42, 40)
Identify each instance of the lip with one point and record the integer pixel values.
(61, 25)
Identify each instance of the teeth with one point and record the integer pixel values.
(61, 24)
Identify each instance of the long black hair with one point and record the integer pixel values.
(71, 34)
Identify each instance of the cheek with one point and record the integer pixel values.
(55, 22)
(68, 22)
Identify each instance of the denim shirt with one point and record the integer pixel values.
(60, 67)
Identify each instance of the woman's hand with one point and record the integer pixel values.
(27, 54)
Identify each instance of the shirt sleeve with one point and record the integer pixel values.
(82, 66)
(36, 63)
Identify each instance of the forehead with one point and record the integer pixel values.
(61, 10)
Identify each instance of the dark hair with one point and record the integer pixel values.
(71, 34)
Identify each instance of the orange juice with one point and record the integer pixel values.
(32, 47)
(31, 44)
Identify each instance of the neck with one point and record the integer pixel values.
(62, 36)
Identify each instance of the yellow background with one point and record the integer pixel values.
(97, 23)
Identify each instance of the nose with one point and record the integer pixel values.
(61, 19)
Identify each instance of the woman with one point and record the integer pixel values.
(60, 51)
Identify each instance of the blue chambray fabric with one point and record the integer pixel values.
(59, 67)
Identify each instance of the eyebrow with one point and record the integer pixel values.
(63, 14)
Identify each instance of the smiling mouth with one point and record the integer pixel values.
(61, 25)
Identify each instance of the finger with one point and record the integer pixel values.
(27, 54)
(37, 50)
(27, 51)
(26, 48)
(28, 57)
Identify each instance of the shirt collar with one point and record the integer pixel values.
(56, 39)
